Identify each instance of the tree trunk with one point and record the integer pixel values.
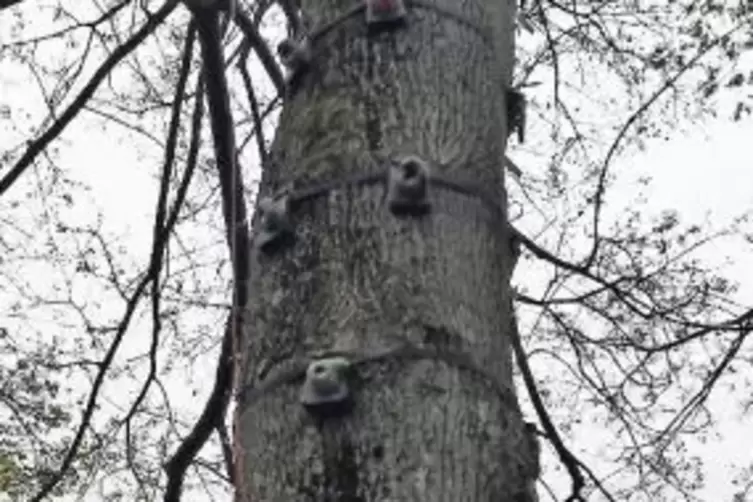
(444, 423)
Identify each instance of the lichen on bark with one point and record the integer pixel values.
(359, 279)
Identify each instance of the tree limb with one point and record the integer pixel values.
(601, 184)
(569, 460)
(253, 37)
(37, 146)
(236, 222)
(158, 252)
(4, 4)
(253, 102)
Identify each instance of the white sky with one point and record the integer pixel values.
(706, 175)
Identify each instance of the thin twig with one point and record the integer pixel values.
(236, 222)
(37, 146)
(158, 252)
(601, 184)
(568, 459)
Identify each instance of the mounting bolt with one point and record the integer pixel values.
(385, 13)
(325, 390)
(296, 56)
(276, 229)
(516, 113)
(408, 187)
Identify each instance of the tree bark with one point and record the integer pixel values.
(360, 280)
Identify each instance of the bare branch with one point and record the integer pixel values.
(227, 451)
(159, 227)
(236, 222)
(261, 48)
(4, 4)
(569, 460)
(669, 84)
(253, 102)
(97, 385)
(37, 146)
(86, 24)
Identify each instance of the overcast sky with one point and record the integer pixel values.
(705, 174)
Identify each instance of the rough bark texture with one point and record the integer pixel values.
(360, 279)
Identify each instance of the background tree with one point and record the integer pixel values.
(104, 321)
